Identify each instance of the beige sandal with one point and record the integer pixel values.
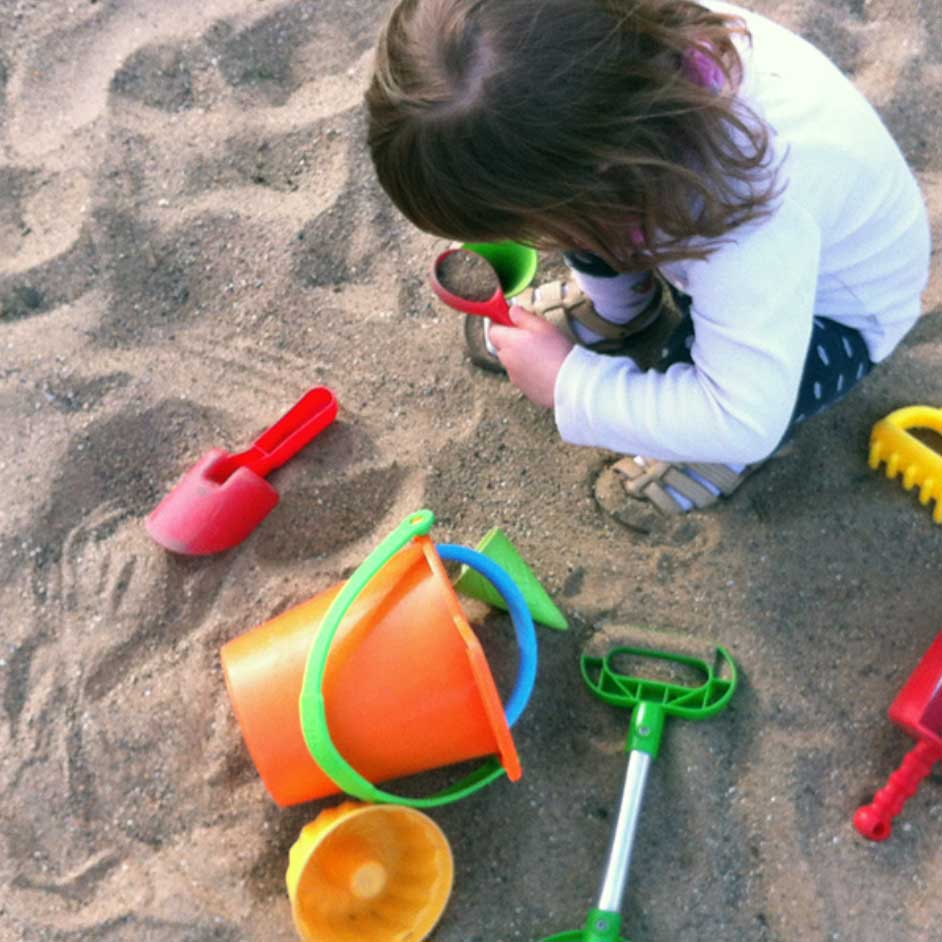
(635, 491)
(648, 479)
(556, 301)
(642, 338)
(564, 303)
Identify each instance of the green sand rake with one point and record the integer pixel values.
(651, 702)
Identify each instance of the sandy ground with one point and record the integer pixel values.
(190, 237)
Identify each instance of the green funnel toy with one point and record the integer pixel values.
(651, 702)
(497, 547)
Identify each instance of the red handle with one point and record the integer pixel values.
(875, 821)
(295, 429)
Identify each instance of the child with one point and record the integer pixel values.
(659, 142)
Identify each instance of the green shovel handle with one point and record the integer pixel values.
(600, 926)
(720, 679)
(312, 705)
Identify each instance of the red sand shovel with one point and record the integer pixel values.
(224, 497)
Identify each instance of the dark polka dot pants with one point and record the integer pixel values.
(837, 356)
(837, 360)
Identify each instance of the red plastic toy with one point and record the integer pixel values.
(496, 307)
(224, 497)
(918, 710)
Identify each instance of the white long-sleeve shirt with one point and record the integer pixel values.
(848, 240)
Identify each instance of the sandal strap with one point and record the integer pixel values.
(567, 296)
(648, 481)
(553, 295)
(649, 478)
(611, 332)
(562, 302)
(698, 495)
(645, 483)
(719, 475)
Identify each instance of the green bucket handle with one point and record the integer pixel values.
(313, 707)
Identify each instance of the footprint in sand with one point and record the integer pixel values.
(47, 225)
(51, 104)
(46, 246)
(92, 693)
(286, 199)
(158, 76)
(92, 564)
(100, 39)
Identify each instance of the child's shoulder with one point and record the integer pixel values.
(820, 119)
(771, 45)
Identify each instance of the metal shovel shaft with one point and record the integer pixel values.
(644, 742)
(651, 702)
(615, 881)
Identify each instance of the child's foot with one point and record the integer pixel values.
(553, 300)
(642, 492)
(480, 348)
(564, 305)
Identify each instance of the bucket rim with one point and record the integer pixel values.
(480, 668)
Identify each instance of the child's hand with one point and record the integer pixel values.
(532, 352)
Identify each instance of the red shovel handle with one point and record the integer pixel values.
(875, 821)
(295, 429)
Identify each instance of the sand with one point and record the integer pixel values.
(467, 275)
(190, 237)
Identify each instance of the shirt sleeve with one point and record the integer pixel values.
(753, 308)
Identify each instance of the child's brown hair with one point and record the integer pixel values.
(572, 124)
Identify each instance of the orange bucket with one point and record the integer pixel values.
(407, 686)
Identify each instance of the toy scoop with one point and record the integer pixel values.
(224, 497)
(917, 709)
(491, 272)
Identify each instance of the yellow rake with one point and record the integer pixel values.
(891, 442)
